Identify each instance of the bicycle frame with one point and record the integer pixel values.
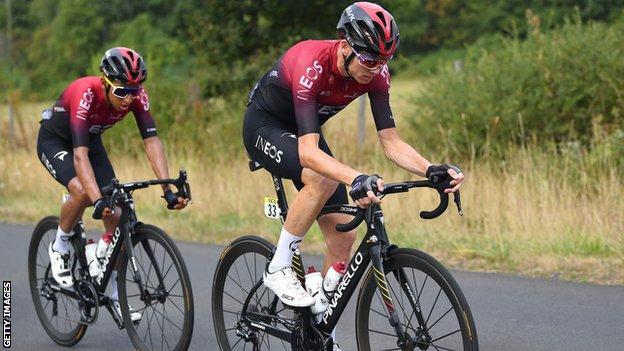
(121, 242)
(373, 249)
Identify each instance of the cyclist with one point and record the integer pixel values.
(311, 82)
(70, 147)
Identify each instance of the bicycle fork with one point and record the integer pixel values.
(405, 341)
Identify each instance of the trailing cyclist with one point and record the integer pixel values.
(311, 82)
(70, 146)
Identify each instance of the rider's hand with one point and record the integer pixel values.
(101, 209)
(445, 174)
(174, 201)
(362, 189)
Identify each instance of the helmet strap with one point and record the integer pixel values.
(106, 91)
(347, 61)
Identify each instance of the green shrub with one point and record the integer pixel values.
(565, 85)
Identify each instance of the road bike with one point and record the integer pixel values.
(407, 299)
(152, 278)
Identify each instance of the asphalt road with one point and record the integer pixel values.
(511, 313)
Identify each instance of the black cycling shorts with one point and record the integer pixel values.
(57, 155)
(273, 144)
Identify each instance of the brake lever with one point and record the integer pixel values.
(457, 200)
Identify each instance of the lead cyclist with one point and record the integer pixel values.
(312, 81)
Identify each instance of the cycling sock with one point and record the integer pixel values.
(61, 243)
(286, 247)
(114, 294)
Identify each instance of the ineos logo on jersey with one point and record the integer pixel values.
(48, 165)
(85, 104)
(308, 78)
(269, 149)
(327, 110)
(97, 129)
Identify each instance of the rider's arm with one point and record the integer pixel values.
(157, 159)
(401, 153)
(317, 160)
(85, 174)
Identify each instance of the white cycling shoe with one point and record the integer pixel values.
(286, 286)
(60, 268)
(134, 316)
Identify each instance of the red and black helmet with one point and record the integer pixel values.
(369, 28)
(125, 65)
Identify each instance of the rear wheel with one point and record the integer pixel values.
(58, 313)
(167, 315)
(448, 322)
(239, 275)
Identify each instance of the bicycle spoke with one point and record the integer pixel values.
(382, 333)
(233, 298)
(232, 312)
(439, 319)
(176, 305)
(446, 335)
(432, 307)
(169, 320)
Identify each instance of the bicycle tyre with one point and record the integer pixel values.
(261, 250)
(42, 232)
(146, 233)
(416, 261)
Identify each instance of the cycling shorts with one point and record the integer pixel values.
(273, 144)
(57, 156)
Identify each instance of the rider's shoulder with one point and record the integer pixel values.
(85, 83)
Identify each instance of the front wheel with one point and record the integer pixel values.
(416, 281)
(166, 304)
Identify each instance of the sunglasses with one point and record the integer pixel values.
(122, 92)
(370, 62)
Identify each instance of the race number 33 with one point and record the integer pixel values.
(271, 209)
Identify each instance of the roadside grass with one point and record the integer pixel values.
(537, 213)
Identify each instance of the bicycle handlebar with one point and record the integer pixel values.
(181, 184)
(403, 187)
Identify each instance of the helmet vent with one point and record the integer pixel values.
(381, 17)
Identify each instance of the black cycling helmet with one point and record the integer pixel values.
(125, 65)
(370, 29)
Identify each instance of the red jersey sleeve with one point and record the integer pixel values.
(142, 115)
(379, 94)
(306, 81)
(80, 99)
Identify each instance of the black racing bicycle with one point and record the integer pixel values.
(152, 278)
(407, 300)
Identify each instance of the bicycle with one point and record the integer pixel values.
(149, 281)
(399, 306)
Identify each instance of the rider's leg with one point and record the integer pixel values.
(338, 243)
(71, 211)
(301, 214)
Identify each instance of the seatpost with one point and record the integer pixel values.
(281, 196)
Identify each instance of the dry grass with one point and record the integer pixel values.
(528, 219)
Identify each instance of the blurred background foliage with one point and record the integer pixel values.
(543, 70)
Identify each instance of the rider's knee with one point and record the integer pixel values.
(78, 193)
(321, 184)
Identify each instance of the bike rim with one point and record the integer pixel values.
(65, 323)
(242, 275)
(443, 324)
(163, 318)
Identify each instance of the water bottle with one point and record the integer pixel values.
(332, 278)
(92, 261)
(313, 284)
(102, 246)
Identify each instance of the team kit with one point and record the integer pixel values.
(263, 295)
